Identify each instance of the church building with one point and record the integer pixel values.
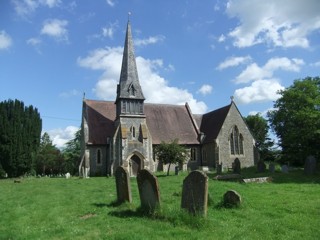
(126, 131)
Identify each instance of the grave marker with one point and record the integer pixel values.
(148, 190)
(195, 193)
(123, 185)
(310, 165)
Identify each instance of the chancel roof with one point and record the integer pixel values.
(212, 122)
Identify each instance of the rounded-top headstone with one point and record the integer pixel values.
(231, 199)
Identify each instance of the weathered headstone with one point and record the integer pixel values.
(261, 167)
(67, 175)
(236, 166)
(272, 167)
(284, 168)
(123, 185)
(148, 190)
(219, 169)
(310, 165)
(231, 199)
(195, 193)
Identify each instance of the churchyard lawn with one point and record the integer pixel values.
(59, 208)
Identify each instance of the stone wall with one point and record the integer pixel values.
(234, 118)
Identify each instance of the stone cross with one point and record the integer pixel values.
(195, 193)
(123, 185)
(148, 191)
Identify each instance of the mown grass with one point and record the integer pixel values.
(57, 208)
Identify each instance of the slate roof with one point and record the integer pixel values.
(212, 122)
(129, 74)
(165, 122)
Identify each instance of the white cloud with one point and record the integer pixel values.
(155, 88)
(316, 64)
(70, 93)
(233, 61)
(50, 3)
(222, 38)
(205, 89)
(259, 91)
(281, 23)
(5, 40)
(150, 40)
(61, 136)
(111, 3)
(56, 28)
(26, 7)
(34, 41)
(254, 72)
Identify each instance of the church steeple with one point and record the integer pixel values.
(129, 80)
(129, 93)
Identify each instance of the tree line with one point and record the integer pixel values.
(295, 120)
(22, 148)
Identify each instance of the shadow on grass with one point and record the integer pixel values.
(100, 205)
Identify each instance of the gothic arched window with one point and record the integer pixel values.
(133, 132)
(236, 142)
(98, 157)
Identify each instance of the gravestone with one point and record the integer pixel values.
(123, 185)
(195, 193)
(219, 169)
(272, 167)
(261, 167)
(148, 190)
(67, 175)
(231, 199)
(236, 166)
(310, 165)
(284, 168)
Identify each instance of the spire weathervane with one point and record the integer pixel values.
(129, 14)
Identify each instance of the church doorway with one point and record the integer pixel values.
(135, 165)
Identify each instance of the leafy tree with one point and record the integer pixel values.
(171, 153)
(259, 128)
(49, 159)
(296, 120)
(20, 131)
(72, 153)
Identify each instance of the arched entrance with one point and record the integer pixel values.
(135, 165)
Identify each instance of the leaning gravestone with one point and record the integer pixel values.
(123, 185)
(261, 167)
(284, 168)
(148, 190)
(272, 167)
(231, 199)
(195, 193)
(310, 165)
(236, 166)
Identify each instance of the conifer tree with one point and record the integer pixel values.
(20, 131)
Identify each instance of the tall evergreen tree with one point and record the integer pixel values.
(20, 131)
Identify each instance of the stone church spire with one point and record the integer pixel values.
(129, 86)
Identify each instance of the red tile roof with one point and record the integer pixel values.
(165, 122)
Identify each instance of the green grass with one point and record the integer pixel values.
(44, 208)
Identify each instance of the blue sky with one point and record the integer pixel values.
(200, 52)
